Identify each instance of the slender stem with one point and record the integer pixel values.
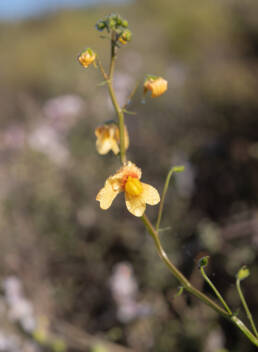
(119, 111)
(188, 286)
(108, 78)
(235, 320)
(131, 95)
(120, 115)
(102, 70)
(248, 313)
(113, 52)
(183, 280)
(215, 290)
(164, 192)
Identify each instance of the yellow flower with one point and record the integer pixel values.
(87, 57)
(157, 85)
(137, 193)
(108, 138)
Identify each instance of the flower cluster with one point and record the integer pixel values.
(127, 178)
(116, 26)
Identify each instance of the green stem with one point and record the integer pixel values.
(164, 192)
(131, 95)
(180, 277)
(244, 329)
(120, 115)
(99, 63)
(191, 289)
(215, 290)
(248, 313)
(119, 111)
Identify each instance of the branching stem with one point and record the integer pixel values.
(191, 289)
(248, 313)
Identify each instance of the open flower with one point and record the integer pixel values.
(87, 57)
(137, 193)
(108, 138)
(157, 85)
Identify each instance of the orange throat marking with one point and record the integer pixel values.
(125, 177)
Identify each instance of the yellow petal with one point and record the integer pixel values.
(106, 195)
(150, 194)
(126, 139)
(115, 148)
(135, 205)
(104, 145)
(159, 87)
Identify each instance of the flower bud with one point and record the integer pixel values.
(203, 262)
(243, 273)
(125, 36)
(101, 25)
(157, 85)
(87, 57)
(125, 23)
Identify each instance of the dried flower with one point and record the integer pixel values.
(157, 85)
(87, 57)
(108, 138)
(137, 193)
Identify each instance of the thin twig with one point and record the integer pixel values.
(164, 192)
(248, 313)
(215, 290)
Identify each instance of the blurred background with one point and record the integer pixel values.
(77, 278)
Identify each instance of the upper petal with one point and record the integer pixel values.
(135, 205)
(106, 195)
(150, 194)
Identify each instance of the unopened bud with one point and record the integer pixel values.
(157, 85)
(243, 273)
(101, 25)
(203, 262)
(125, 36)
(87, 57)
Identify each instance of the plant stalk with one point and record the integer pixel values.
(191, 289)
(119, 111)
(248, 313)
(215, 290)
(164, 192)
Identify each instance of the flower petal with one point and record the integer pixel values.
(150, 194)
(103, 145)
(106, 195)
(115, 148)
(135, 205)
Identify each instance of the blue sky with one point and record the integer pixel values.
(13, 9)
